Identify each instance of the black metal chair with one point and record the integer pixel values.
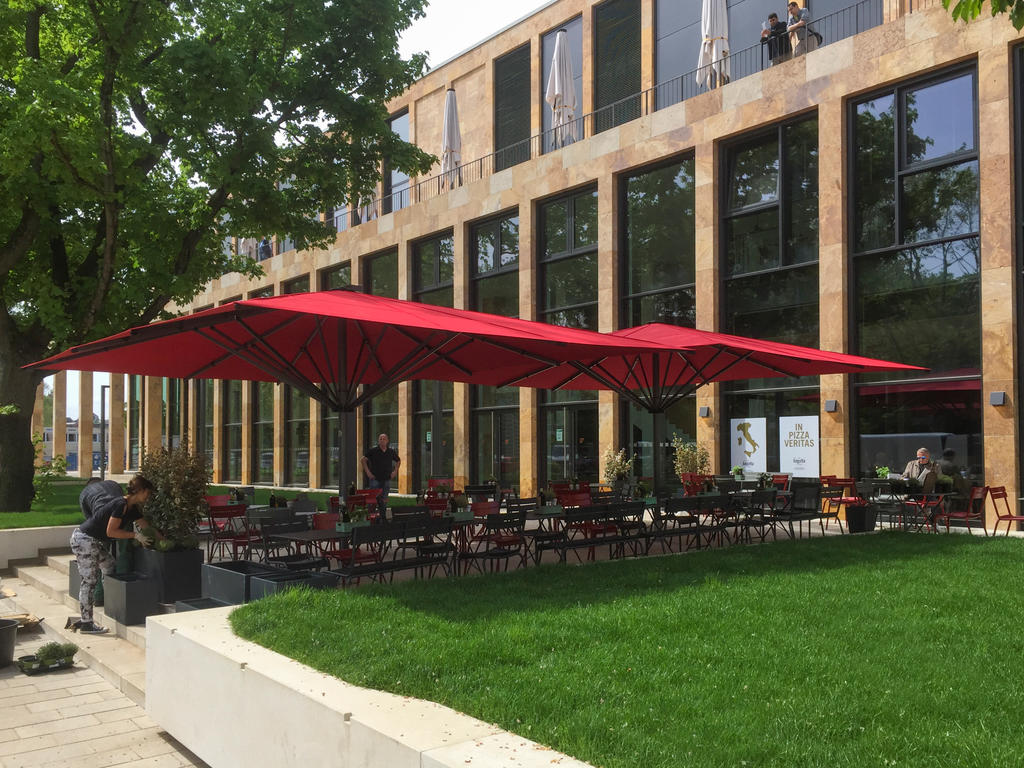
(499, 538)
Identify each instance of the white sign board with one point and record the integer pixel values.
(747, 438)
(799, 446)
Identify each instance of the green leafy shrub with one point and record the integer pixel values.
(178, 503)
(46, 471)
(51, 652)
(690, 458)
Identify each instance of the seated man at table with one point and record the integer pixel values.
(923, 470)
(380, 464)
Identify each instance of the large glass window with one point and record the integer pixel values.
(433, 265)
(658, 273)
(512, 108)
(262, 395)
(616, 63)
(495, 410)
(134, 420)
(658, 277)
(568, 261)
(916, 270)
(382, 275)
(396, 183)
(231, 443)
(380, 416)
(569, 437)
(336, 277)
(770, 263)
(574, 32)
(204, 412)
(296, 415)
(434, 417)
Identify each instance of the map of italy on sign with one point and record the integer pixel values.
(799, 445)
(747, 438)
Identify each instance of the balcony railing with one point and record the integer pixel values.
(743, 63)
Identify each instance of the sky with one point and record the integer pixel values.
(449, 28)
(453, 26)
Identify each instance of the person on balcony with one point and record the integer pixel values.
(776, 37)
(802, 39)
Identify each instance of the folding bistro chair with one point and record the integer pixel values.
(998, 494)
(973, 510)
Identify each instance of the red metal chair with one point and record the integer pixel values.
(328, 521)
(998, 494)
(781, 482)
(228, 529)
(975, 510)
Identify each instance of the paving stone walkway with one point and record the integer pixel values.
(75, 718)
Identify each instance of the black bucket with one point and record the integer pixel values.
(8, 637)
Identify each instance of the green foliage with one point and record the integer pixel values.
(690, 458)
(135, 136)
(617, 467)
(965, 10)
(178, 503)
(588, 659)
(882, 472)
(51, 652)
(46, 471)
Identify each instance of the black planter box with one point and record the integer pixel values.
(177, 575)
(75, 584)
(198, 604)
(130, 598)
(271, 584)
(861, 518)
(229, 581)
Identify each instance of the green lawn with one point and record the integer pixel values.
(59, 508)
(891, 649)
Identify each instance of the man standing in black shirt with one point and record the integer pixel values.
(380, 464)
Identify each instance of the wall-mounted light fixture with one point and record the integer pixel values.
(997, 398)
(704, 411)
(831, 406)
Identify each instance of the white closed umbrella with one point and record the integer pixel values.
(713, 61)
(451, 142)
(561, 93)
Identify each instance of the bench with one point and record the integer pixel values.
(418, 545)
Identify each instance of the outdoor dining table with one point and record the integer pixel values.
(311, 539)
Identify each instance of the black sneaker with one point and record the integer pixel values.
(91, 628)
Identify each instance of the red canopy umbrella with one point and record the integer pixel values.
(687, 358)
(331, 343)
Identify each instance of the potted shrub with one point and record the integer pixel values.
(460, 502)
(618, 470)
(692, 464)
(176, 507)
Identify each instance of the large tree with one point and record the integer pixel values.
(136, 134)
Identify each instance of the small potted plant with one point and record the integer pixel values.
(49, 657)
(692, 463)
(737, 472)
(460, 504)
(764, 481)
(882, 473)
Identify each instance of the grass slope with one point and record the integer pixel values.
(892, 649)
(59, 508)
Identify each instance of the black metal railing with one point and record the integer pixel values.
(836, 26)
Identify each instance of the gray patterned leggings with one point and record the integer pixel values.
(93, 558)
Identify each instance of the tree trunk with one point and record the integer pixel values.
(17, 454)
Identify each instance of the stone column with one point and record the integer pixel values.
(608, 404)
(85, 424)
(833, 286)
(116, 459)
(648, 43)
(317, 471)
(60, 419)
(461, 430)
(279, 435)
(247, 452)
(152, 429)
(707, 275)
(998, 362)
(528, 398)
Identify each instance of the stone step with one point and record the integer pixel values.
(118, 660)
(61, 562)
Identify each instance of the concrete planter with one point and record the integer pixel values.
(230, 581)
(177, 574)
(130, 598)
(271, 583)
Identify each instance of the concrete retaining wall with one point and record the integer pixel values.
(26, 543)
(235, 703)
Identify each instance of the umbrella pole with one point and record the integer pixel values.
(659, 451)
(346, 452)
